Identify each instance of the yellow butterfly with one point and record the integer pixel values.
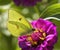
(17, 24)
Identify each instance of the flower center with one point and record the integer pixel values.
(40, 34)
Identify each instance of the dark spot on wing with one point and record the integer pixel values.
(20, 19)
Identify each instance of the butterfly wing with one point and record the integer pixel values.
(17, 24)
(15, 16)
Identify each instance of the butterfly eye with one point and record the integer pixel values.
(20, 19)
(33, 29)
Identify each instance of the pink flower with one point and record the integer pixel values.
(43, 37)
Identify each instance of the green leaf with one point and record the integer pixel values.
(18, 48)
(51, 10)
(2, 11)
(5, 42)
(52, 2)
(5, 2)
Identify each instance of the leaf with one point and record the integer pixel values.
(5, 42)
(18, 48)
(51, 10)
(5, 2)
(52, 2)
(2, 11)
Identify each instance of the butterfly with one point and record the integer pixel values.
(17, 24)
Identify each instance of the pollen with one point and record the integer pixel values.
(29, 39)
(41, 30)
(42, 38)
(35, 43)
(44, 34)
(36, 30)
(32, 42)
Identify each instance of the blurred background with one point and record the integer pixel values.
(9, 42)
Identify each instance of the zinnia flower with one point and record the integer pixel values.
(43, 37)
(26, 2)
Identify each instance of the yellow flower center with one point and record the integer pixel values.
(42, 37)
(32, 42)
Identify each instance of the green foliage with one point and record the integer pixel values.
(51, 10)
(5, 2)
(5, 42)
(1, 11)
(50, 2)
